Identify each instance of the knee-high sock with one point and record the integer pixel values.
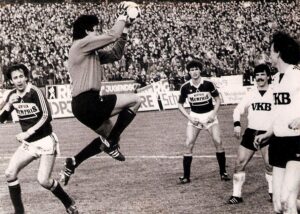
(187, 161)
(221, 161)
(15, 195)
(269, 179)
(90, 150)
(124, 119)
(238, 181)
(58, 191)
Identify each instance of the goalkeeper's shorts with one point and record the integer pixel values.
(91, 109)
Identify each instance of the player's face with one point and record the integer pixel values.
(273, 56)
(261, 79)
(195, 73)
(19, 80)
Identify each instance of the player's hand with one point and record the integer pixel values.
(194, 121)
(22, 136)
(295, 124)
(262, 138)
(13, 99)
(211, 118)
(237, 131)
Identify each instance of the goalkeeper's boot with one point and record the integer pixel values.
(183, 180)
(225, 176)
(68, 170)
(111, 149)
(72, 209)
(235, 200)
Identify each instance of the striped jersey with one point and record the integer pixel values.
(33, 111)
(199, 96)
(259, 108)
(86, 57)
(286, 101)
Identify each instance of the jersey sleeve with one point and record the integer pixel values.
(241, 108)
(6, 109)
(213, 90)
(43, 106)
(183, 95)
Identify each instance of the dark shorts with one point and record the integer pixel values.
(91, 109)
(284, 149)
(248, 139)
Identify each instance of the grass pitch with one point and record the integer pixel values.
(147, 182)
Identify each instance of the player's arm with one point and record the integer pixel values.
(92, 43)
(237, 112)
(184, 112)
(116, 53)
(7, 106)
(43, 106)
(215, 94)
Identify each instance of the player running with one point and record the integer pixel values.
(258, 103)
(203, 115)
(90, 107)
(284, 149)
(37, 138)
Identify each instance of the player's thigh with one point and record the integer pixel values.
(244, 155)
(291, 182)
(125, 101)
(45, 167)
(18, 161)
(191, 134)
(265, 155)
(215, 133)
(278, 177)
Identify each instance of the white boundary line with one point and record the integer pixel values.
(145, 157)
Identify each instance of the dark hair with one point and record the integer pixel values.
(287, 47)
(194, 64)
(261, 68)
(83, 23)
(15, 67)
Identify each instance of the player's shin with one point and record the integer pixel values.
(124, 119)
(58, 191)
(187, 161)
(238, 181)
(15, 195)
(269, 179)
(90, 150)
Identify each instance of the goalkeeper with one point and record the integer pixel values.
(94, 110)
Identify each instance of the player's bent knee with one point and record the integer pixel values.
(10, 174)
(44, 182)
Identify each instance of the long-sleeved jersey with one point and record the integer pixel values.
(33, 111)
(199, 97)
(286, 101)
(86, 57)
(259, 109)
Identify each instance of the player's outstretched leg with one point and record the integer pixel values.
(15, 195)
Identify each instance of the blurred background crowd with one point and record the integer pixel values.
(226, 36)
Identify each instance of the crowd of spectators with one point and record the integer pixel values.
(225, 36)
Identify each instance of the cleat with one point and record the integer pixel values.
(183, 180)
(111, 150)
(69, 169)
(72, 209)
(270, 197)
(225, 177)
(234, 200)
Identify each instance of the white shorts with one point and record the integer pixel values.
(202, 118)
(45, 146)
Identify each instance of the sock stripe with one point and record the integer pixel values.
(54, 185)
(13, 182)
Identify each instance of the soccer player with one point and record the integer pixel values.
(203, 115)
(284, 148)
(37, 138)
(258, 103)
(90, 107)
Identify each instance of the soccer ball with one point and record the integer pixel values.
(133, 11)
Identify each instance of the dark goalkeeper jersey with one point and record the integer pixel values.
(199, 97)
(33, 112)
